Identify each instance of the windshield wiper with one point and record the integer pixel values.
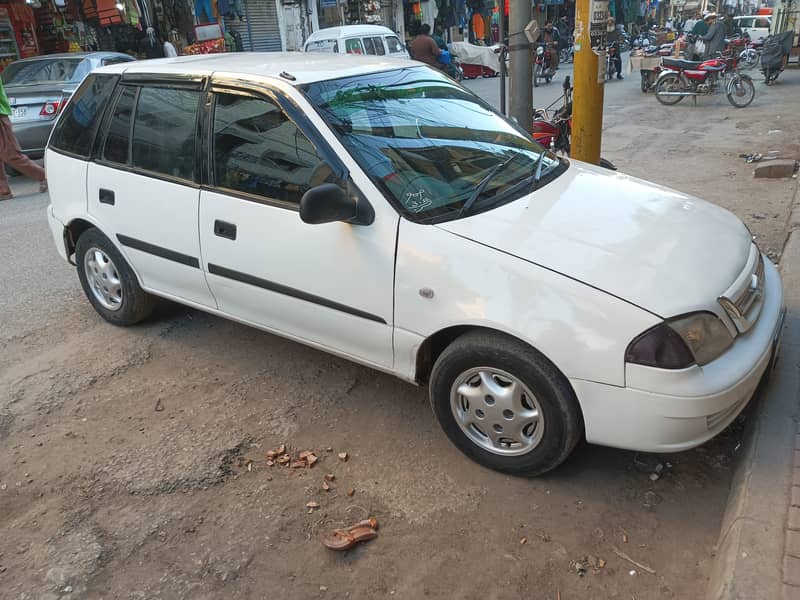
(476, 193)
(538, 169)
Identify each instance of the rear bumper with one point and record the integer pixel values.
(683, 409)
(33, 136)
(57, 231)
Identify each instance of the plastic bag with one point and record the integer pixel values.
(700, 47)
(444, 57)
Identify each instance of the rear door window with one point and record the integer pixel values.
(76, 129)
(165, 130)
(353, 46)
(377, 43)
(763, 23)
(117, 144)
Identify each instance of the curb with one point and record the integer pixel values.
(750, 563)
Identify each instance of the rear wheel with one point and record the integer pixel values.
(108, 281)
(669, 84)
(740, 90)
(505, 405)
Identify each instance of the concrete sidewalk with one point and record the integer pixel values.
(758, 553)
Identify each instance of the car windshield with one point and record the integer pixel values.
(35, 72)
(430, 144)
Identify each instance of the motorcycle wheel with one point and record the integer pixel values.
(748, 59)
(537, 72)
(740, 90)
(669, 83)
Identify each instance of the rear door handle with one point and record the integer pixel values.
(224, 229)
(106, 197)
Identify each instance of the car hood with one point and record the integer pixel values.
(662, 250)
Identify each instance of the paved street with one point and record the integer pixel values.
(124, 453)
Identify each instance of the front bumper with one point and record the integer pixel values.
(665, 411)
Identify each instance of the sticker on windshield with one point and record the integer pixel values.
(417, 201)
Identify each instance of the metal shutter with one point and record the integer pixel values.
(262, 26)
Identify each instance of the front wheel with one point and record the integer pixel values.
(108, 281)
(505, 405)
(740, 91)
(667, 86)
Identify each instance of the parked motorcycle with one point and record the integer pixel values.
(682, 78)
(775, 54)
(749, 57)
(555, 131)
(612, 52)
(541, 67)
(567, 54)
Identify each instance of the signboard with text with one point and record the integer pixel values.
(598, 17)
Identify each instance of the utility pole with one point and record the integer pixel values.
(589, 73)
(521, 68)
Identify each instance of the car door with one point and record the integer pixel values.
(330, 285)
(142, 190)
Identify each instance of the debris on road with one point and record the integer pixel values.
(312, 506)
(523, 541)
(351, 492)
(329, 476)
(624, 556)
(343, 456)
(776, 169)
(344, 539)
(583, 565)
(159, 405)
(326, 486)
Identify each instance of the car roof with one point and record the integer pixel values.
(349, 30)
(295, 68)
(76, 55)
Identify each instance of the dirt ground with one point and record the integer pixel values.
(133, 461)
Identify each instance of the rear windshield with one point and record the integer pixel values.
(58, 70)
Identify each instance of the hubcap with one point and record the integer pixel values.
(497, 411)
(103, 278)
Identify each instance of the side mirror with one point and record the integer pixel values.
(329, 203)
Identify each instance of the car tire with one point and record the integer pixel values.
(506, 383)
(108, 281)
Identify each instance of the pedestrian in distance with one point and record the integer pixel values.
(612, 39)
(715, 38)
(551, 37)
(11, 154)
(425, 49)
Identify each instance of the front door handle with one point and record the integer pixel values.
(106, 197)
(224, 229)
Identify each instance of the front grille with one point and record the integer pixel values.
(744, 299)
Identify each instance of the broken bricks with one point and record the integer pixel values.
(344, 539)
(280, 456)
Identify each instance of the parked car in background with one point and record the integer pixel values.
(38, 88)
(756, 26)
(357, 39)
(379, 211)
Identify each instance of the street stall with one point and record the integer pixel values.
(477, 61)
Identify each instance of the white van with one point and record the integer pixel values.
(756, 26)
(357, 39)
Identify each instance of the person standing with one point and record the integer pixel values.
(11, 154)
(424, 48)
(715, 38)
(169, 49)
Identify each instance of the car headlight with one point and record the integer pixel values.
(681, 342)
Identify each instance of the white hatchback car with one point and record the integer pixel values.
(377, 210)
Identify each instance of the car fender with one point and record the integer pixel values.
(444, 280)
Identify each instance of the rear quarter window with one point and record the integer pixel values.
(323, 46)
(353, 46)
(76, 129)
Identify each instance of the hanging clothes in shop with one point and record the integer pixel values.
(478, 26)
(203, 7)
